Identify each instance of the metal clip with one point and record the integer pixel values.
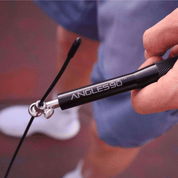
(47, 108)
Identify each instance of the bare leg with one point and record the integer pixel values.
(101, 160)
(79, 70)
(104, 161)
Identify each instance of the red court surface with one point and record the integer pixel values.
(27, 67)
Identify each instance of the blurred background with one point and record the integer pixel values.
(27, 67)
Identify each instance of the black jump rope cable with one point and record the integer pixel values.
(70, 55)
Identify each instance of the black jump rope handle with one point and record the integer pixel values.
(135, 80)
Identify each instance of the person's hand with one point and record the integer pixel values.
(163, 94)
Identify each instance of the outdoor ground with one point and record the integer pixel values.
(27, 67)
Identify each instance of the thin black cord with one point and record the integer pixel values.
(18, 147)
(32, 118)
(70, 55)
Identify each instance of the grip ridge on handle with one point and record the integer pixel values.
(165, 65)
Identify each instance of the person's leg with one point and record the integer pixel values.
(104, 161)
(101, 160)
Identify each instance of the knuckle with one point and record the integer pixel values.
(146, 40)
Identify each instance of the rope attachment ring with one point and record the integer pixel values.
(35, 110)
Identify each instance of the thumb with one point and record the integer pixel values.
(162, 36)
